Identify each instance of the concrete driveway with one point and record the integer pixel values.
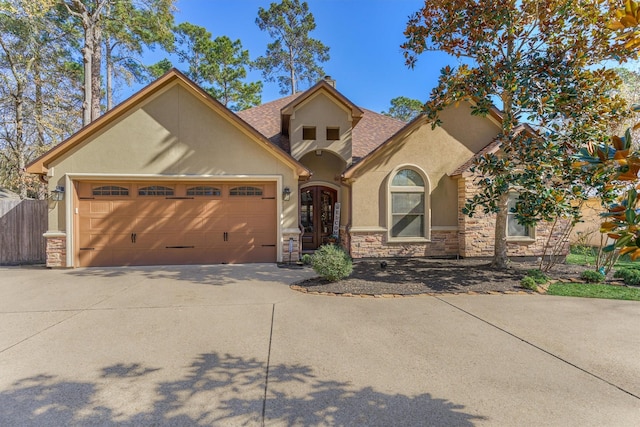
(233, 345)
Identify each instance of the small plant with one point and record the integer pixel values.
(591, 276)
(529, 282)
(306, 259)
(331, 262)
(629, 276)
(538, 276)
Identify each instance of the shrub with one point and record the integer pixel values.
(538, 276)
(331, 262)
(306, 259)
(628, 276)
(591, 276)
(529, 282)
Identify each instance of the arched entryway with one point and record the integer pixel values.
(317, 204)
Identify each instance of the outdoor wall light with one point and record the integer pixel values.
(286, 194)
(57, 195)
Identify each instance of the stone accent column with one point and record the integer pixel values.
(56, 250)
(286, 236)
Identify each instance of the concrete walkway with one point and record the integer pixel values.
(233, 345)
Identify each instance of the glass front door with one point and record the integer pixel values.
(316, 216)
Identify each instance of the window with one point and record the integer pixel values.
(309, 132)
(333, 134)
(203, 191)
(155, 190)
(408, 207)
(245, 191)
(110, 190)
(514, 228)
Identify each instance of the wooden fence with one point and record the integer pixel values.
(22, 224)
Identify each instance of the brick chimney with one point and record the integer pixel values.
(329, 80)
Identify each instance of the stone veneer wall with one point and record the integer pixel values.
(295, 255)
(375, 245)
(56, 252)
(476, 235)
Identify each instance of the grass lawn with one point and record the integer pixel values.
(587, 256)
(588, 290)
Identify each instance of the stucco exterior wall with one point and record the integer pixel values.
(437, 152)
(322, 112)
(173, 133)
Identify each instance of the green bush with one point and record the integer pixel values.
(529, 282)
(306, 259)
(629, 276)
(539, 277)
(331, 262)
(591, 276)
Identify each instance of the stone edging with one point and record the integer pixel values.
(305, 290)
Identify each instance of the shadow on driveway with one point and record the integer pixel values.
(218, 390)
(217, 275)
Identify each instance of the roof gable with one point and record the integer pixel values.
(170, 79)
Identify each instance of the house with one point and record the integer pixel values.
(171, 176)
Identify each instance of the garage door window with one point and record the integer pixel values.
(245, 191)
(155, 190)
(203, 191)
(110, 190)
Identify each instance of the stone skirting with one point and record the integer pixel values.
(56, 251)
(477, 233)
(375, 245)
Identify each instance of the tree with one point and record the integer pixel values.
(36, 80)
(127, 31)
(293, 53)
(537, 60)
(616, 157)
(221, 64)
(130, 22)
(405, 109)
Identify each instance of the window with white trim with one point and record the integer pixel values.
(155, 190)
(110, 190)
(203, 191)
(408, 194)
(515, 230)
(245, 191)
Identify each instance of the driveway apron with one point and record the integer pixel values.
(233, 345)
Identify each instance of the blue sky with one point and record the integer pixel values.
(364, 37)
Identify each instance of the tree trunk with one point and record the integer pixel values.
(292, 70)
(96, 62)
(38, 107)
(109, 77)
(500, 258)
(87, 57)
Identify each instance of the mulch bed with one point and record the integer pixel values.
(418, 276)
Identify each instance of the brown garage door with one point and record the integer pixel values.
(175, 223)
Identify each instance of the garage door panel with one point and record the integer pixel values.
(95, 240)
(147, 230)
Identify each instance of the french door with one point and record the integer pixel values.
(316, 216)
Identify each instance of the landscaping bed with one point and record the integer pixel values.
(414, 276)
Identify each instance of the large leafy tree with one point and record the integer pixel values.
(616, 157)
(536, 61)
(35, 81)
(219, 65)
(293, 56)
(127, 31)
(403, 108)
(132, 23)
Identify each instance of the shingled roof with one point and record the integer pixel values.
(371, 131)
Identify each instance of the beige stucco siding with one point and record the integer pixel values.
(322, 112)
(437, 152)
(173, 133)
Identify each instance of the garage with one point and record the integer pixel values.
(170, 223)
